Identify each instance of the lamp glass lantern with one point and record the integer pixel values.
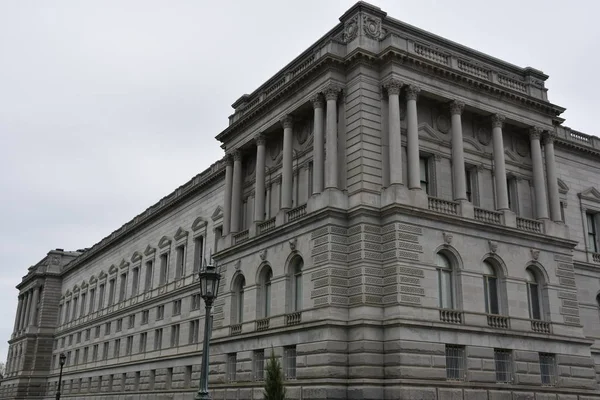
(209, 282)
(62, 358)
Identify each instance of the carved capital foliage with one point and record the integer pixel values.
(535, 132)
(393, 86)
(498, 120)
(549, 137)
(412, 92)
(457, 107)
(237, 155)
(287, 121)
(332, 91)
(229, 159)
(317, 101)
(260, 139)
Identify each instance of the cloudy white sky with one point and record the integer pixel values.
(106, 106)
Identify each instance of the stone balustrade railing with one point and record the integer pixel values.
(235, 329)
(530, 225)
(596, 257)
(498, 321)
(296, 213)
(488, 216)
(262, 324)
(451, 316)
(266, 226)
(540, 326)
(241, 236)
(443, 206)
(293, 318)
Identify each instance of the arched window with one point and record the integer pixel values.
(533, 294)
(237, 301)
(490, 288)
(445, 281)
(264, 305)
(296, 280)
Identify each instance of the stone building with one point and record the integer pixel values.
(396, 217)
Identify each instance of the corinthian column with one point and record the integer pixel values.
(259, 198)
(499, 163)
(27, 310)
(227, 200)
(541, 203)
(331, 94)
(286, 173)
(553, 196)
(34, 301)
(394, 134)
(412, 138)
(236, 192)
(458, 157)
(318, 144)
(19, 309)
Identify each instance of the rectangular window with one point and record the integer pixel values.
(158, 339)
(119, 325)
(187, 377)
(82, 307)
(563, 205)
(85, 354)
(180, 262)
(111, 379)
(75, 301)
(70, 340)
(148, 282)
(471, 181)
(67, 312)
(503, 360)
(131, 321)
(143, 341)
(123, 287)
(76, 361)
(88, 333)
(101, 296)
(92, 300)
(455, 363)
(78, 337)
(548, 369)
(490, 288)
(289, 362)
(445, 288)
(129, 348)
(107, 329)
(218, 234)
(145, 316)
(177, 307)
(164, 269)
(97, 332)
(111, 292)
(231, 367)
(198, 250)
(63, 342)
(195, 302)
(424, 171)
(151, 379)
(136, 381)
(135, 281)
(194, 331)
(511, 186)
(169, 381)
(117, 349)
(175, 335)
(160, 312)
(123, 380)
(259, 365)
(105, 350)
(68, 362)
(592, 240)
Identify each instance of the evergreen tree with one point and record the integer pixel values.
(274, 389)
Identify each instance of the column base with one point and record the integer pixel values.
(509, 218)
(466, 209)
(330, 197)
(557, 229)
(400, 194)
(280, 216)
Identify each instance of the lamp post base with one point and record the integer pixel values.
(202, 396)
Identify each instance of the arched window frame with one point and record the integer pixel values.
(264, 292)
(295, 284)
(493, 284)
(446, 275)
(543, 302)
(237, 299)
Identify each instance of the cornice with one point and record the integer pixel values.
(574, 145)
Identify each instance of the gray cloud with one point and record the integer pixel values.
(107, 106)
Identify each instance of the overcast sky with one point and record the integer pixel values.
(107, 106)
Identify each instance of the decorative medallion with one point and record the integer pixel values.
(303, 130)
(443, 123)
(371, 27)
(483, 135)
(250, 166)
(275, 149)
(351, 29)
(522, 147)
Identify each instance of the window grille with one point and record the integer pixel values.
(503, 362)
(289, 362)
(259, 365)
(231, 367)
(455, 363)
(548, 369)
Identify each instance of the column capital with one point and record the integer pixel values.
(412, 91)
(287, 121)
(260, 139)
(237, 155)
(317, 101)
(548, 137)
(393, 86)
(229, 158)
(331, 91)
(535, 132)
(456, 107)
(498, 120)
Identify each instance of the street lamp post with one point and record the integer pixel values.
(61, 360)
(209, 289)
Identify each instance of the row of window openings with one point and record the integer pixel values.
(446, 288)
(456, 360)
(258, 363)
(160, 313)
(193, 338)
(148, 283)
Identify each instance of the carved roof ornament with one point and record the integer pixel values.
(180, 233)
(447, 237)
(535, 254)
(149, 250)
(164, 242)
(136, 257)
(317, 101)
(393, 86)
(260, 139)
(199, 223)
(332, 91)
(412, 92)
(535, 132)
(351, 29)
(498, 121)
(372, 27)
(457, 107)
(493, 246)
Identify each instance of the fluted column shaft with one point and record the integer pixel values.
(34, 301)
(23, 312)
(236, 192)
(18, 316)
(27, 310)
(394, 133)
(412, 138)
(541, 202)
(288, 155)
(499, 163)
(227, 194)
(553, 196)
(268, 201)
(331, 94)
(318, 144)
(259, 197)
(458, 156)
